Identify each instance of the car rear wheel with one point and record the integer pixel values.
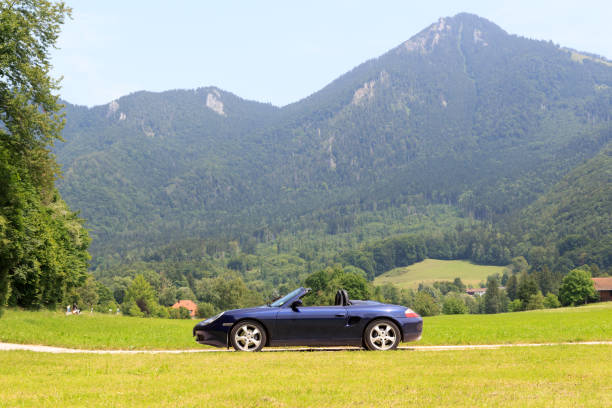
(381, 334)
(248, 335)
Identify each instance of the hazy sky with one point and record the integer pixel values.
(276, 51)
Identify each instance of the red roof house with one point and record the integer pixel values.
(603, 286)
(187, 304)
(476, 291)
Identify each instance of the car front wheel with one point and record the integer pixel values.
(381, 334)
(248, 336)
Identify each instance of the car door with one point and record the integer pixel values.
(312, 325)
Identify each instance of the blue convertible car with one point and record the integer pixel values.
(285, 322)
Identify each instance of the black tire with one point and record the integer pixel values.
(248, 335)
(381, 335)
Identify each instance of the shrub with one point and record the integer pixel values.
(551, 301)
(178, 313)
(454, 305)
(535, 302)
(515, 306)
(425, 305)
(205, 310)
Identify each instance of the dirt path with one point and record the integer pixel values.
(57, 350)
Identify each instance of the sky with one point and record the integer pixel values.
(276, 51)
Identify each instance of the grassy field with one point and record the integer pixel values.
(98, 331)
(592, 322)
(431, 270)
(559, 376)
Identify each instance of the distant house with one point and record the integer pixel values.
(187, 304)
(476, 291)
(603, 286)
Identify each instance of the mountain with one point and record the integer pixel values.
(576, 214)
(461, 114)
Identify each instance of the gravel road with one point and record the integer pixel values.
(59, 350)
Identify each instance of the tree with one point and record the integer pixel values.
(515, 306)
(425, 305)
(546, 280)
(459, 285)
(519, 265)
(205, 310)
(88, 293)
(577, 288)
(43, 251)
(551, 301)
(491, 297)
(535, 302)
(512, 287)
(141, 299)
(527, 286)
(453, 304)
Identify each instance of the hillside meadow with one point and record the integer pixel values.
(560, 376)
(99, 331)
(432, 270)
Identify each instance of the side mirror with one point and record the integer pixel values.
(296, 304)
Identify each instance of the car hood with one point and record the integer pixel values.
(248, 309)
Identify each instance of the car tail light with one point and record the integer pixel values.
(411, 313)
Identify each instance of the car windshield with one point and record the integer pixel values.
(284, 299)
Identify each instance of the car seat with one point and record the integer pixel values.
(345, 298)
(339, 300)
(342, 298)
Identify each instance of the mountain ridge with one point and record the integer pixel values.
(462, 113)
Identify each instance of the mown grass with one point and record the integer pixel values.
(97, 331)
(573, 324)
(559, 376)
(591, 322)
(431, 270)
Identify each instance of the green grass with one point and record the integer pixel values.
(431, 270)
(585, 323)
(591, 322)
(98, 331)
(559, 376)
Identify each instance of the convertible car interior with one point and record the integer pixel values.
(342, 298)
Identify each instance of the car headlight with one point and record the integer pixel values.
(212, 319)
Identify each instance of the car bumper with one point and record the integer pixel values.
(211, 338)
(411, 327)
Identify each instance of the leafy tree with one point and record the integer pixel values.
(512, 287)
(519, 265)
(535, 302)
(453, 304)
(515, 306)
(459, 285)
(425, 305)
(179, 313)
(492, 299)
(43, 251)
(168, 296)
(227, 292)
(551, 301)
(546, 280)
(141, 300)
(577, 288)
(106, 301)
(185, 293)
(205, 310)
(527, 286)
(88, 293)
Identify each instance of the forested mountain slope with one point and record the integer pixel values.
(576, 214)
(461, 114)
